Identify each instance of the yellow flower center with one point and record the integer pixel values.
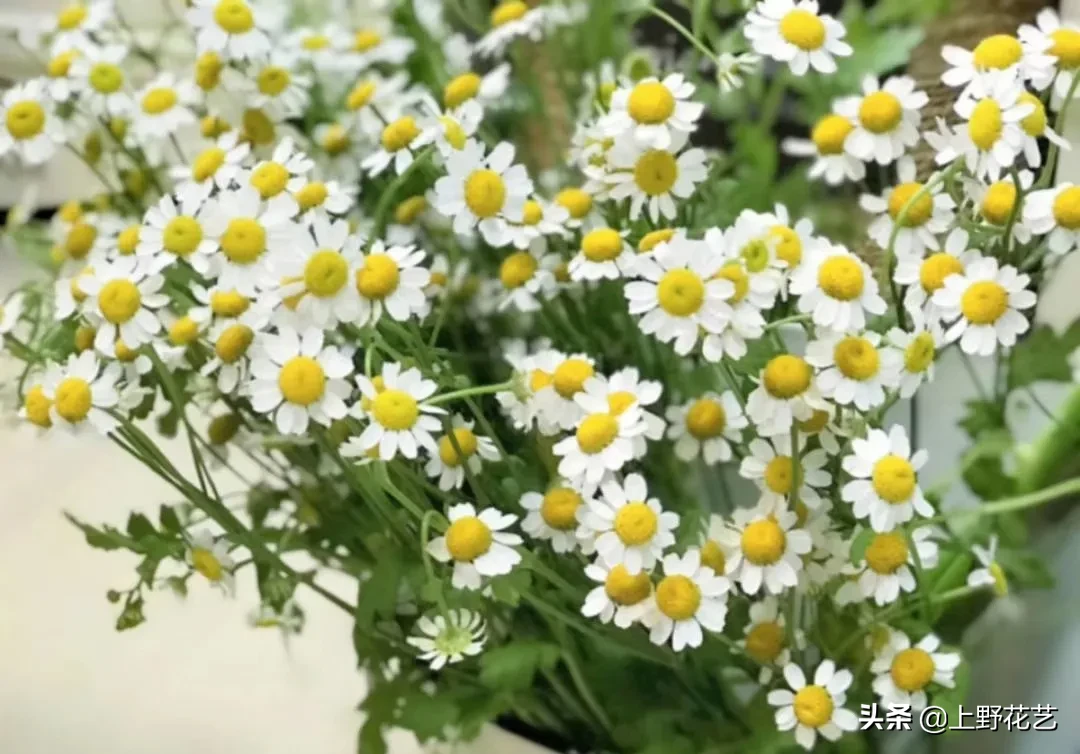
(379, 277)
(59, 65)
(779, 473)
(619, 401)
(366, 39)
(234, 16)
(841, 277)
(84, 339)
(829, 134)
(650, 103)
(803, 29)
(706, 419)
(678, 597)
(559, 508)
(184, 331)
(886, 553)
(400, 134)
(258, 127)
(680, 293)
(1034, 124)
(624, 589)
(517, 269)
(125, 353)
(986, 124)
(325, 273)
(206, 564)
(395, 410)
(569, 378)
(25, 119)
(229, 304)
(312, 195)
(70, 211)
(360, 95)
(208, 70)
(787, 244)
(119, 300)
(813, 706)
(755, 255)
(315, 42)
(273, 80)
(302, 381)
(713, 556)
(998, 51)
(182, 235)
(912, 669)
(233, 343)
(461, 89)
(1066, 47)
(467, 539)
(984, 302)
(159, 100)
(466, 442)
(918, 213)
(636, 523)
(998, 202)
(532, 214)
(213, 126)
(936, 268)
(270, 179)
(244, 240)
(539, 379)
(106, 78)
(651, 240)
(335, 139)
(765, 641)
(656, 172)
(596, 432)
(575, 201)
(74, 399)
(409, 210)
(856, 358)
(510, 10)
(207, 163)
(920, 353)
(880, 112)
(485, 193)
(786, 376)
(815, 423)
(894, 479)
(80, 240)
(71, 17)
(736, 273)
(602, 245)
(223, 428)
(37, 405)
(763, 542)
(1067, 208)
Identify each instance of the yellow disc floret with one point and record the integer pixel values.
(706, 419)
(624, 589)
(681, 292)
(841, 278)
(467, 539)
(485, 193)
(1066, 47)
(395, 410)
(986, 124)
(400, 134)
(920, 210)
(455, 450)
(36, 406)
(1067, 208)
(650, 102)
(636, 523)
(461, 89)
(880, 112)
(786, 376)
(507, 11)
(182, 235)
(894, 479)
(243, 241)
(517, 269)
(302, 381)
(325, 273)
(886, 553)
(119, 301)
(912, 669)
(856, 358)
(765, 641)
(73, 399)
(159, 100)
(560, 507)
(234, 16)
(678, 597)
(803, 29)
(602, 245)
(984, 302)
(378, 277)
(813, 706)
(596, 432)
(269, 179)
(919, 354)
(936, 268)
(763, 542)
(25, 119)
(575, 201)
(998, 202)
(999, 51)
(830, 133)
(779, 474)
(656, 171)
(569, 378)
(233, 343)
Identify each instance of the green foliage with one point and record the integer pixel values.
(513, 667)
(1043, 355)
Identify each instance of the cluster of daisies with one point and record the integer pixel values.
(262, 234)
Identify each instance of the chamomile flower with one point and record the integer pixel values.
(278, 178)
(923, 277)
(457, 126)
(484, 192)
(855, 369)
(730, 70)
(603, 254)
(624, 390)
(918, 348)
(322, 48)
(400, 420)
(836, 287)
(536, 399)
(316, 199)
(993, 135)
(163, 106)
(815, 708)
(773, 468)
(215, 168)
(171, 233)
(58, 70)
(826, 145)
(98, 76)
(631, 528)
(688, 598)
(886, 119)
(887, 566)
(75, 397)
(929, 212)
(903, 672)
(1055, 213)
(449, 638)
(121, 302)
(317, 274)
(885, 479)
(797, 34)
(652, 111)
(622, 597)
(235, 29)
(459, 449)
(484, 90)
(654, 179)
(554, 516)
(680, 296)
(989, 573)
(766, 637)
(390, 279)
(996, 202)
(209, 557)
(237, 321)
(477, 544)
(602, 442)
(278, 88)
(374, 44)
(511, 20)
(984, 305)
(400, 143)
(581, 206)
(1036, 126)
(766, 547)
(528, 278)
(785, 393)
(757, 241)
(72, 26)
(539, 220)
(30, 128)
(1060, 41)
(706, 426)
(997, 54)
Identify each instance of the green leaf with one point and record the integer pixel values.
(170, 522)
(982, 416)
(140, 528)
(427, 716)
(1043, 355)
(1026, 569)
(513, 666)
(378, 595)
(371, 740)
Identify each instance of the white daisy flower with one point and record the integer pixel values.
(885, 482)
(996, 204)
(1037, 126)
(484, 90)
(928, 215)
(514, 19)
(603, 254)
(278, 178)
(785, 393)
(555, 516)
(766, 637)
(680, 295)
(903, 672)
(400, 420)
(58, 70)
(1055, 212)
(855, 368)
(457, 126)
(789, 240)
(826, 145)
(72, 26)
(276, 87)
(706, 426)
(171, 233)
(163, 106)
(98, 76)
(918, 349)
(984, 304)
(581, 206)
(602, 442)
(997, 54)
(993, 136)
(76, 396)
(374, 44)
(461, 448)
(322, 48)
(324, 198)
(730, 70)
(923, 277)
(797, 34)
(400, 143)
(391, 279)
(625, 390)
(477, 544)
(654, 179)
(990, 573)
(539, 220)
(448, 639)
(837, 287)
(1061, 41)
(772, 467)
(209, 557)
(215, 168)
(121, 300)
(237, 320)
(765, 548)
(621, 597)
(631, 528)
(536, 400)
(235, 29)
(887, 566)
(30, 129)
(528, 278)
(814, 708)
(653, 111)
(886, 119)
(484, 192)
(689, 597)
(68, 293)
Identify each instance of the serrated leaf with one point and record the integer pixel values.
(1043, 355)
(513, 666)
(169, 521)
(140, 528)
(427, 716)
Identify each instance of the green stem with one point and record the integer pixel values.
(788, 320)
(1056, 446)
(1013, 504)
(470, 391)
(386, 201)
(689, 35)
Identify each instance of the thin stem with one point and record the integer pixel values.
(670, 21)
(1012, 504)
(471, 391)
(788, 320)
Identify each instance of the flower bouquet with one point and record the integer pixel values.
(554, 350)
